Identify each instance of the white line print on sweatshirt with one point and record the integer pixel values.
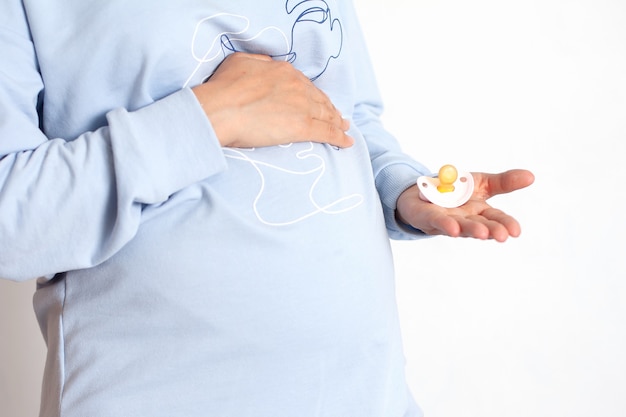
(239, 25)
(337, 206)
(227, 33)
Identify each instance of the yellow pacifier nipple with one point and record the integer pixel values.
(447, 176)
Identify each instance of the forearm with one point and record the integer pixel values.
(73, 204)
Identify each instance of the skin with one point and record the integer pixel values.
(274, 104)
(474, 219)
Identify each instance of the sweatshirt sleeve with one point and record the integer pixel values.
(394, 171)
(70, 203)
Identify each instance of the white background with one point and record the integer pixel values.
(535, 326)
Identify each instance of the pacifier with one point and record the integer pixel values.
(448, 189)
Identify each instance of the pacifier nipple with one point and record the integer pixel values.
(447, 176)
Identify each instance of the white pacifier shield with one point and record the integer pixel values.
(463, 189)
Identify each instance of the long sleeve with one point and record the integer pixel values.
(70, 203)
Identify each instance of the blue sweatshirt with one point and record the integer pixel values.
(176, 277)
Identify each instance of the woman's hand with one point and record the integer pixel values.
(253, 101)
(476, 218)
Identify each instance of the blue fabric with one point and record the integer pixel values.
(177, 277)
